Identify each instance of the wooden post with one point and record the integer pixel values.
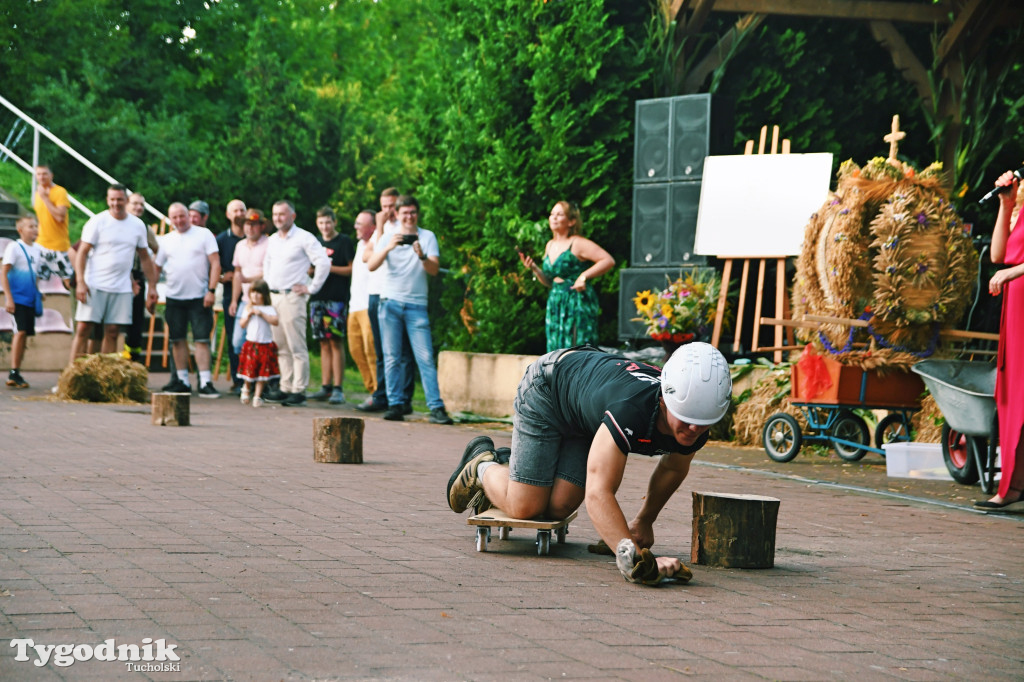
(734, 531)
(338, 440)
(171, 409)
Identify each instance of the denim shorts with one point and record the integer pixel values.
(184, 313)
(541, 450)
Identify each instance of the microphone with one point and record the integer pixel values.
(1019, 174)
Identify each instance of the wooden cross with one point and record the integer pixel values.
(894, 137)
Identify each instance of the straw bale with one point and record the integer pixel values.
(927, 422)
(768, 396)
(104, 378)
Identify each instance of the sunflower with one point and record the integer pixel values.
(644, 302)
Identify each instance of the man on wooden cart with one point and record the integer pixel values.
(577, 413)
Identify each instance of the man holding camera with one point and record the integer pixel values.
(411, 253)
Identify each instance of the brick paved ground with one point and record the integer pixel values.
(226, 539)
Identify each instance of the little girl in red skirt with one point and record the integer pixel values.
(257, 362)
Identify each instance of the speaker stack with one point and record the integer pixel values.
(672, 138)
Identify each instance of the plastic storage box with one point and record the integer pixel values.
(915, 460)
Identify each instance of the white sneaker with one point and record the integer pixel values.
(257, 402)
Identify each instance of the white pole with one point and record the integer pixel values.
(35, 161)
(60, 143)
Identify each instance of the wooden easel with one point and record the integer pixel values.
(160, 228)
(781, 301)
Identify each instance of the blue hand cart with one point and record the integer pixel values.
(831, 418)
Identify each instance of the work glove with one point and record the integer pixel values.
(642, 568)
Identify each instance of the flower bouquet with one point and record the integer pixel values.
(681, 312)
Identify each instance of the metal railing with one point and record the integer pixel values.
(37, 130)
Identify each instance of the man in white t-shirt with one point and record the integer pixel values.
(411, 254)
(188, 257)
(359, 330)
(386, 221)
(103, 267)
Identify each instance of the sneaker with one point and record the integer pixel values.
(275, 395)
(394, 414)
(502, 455)
(369, 406)
(245, 396)
(237, 389)
(295, 400)
(176, 385)
(464, 487)
(439, 416)
(406, 408)
(323, 394)
(337, 397)
(257, 402)
(15, 380)
(173, 385)
(208, 391)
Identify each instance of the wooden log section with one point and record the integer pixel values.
(734, 531)
(338, 440)
(170, 409)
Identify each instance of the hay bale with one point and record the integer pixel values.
(927, 422)
(768, 396)
(104, 378)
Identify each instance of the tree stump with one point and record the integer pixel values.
(170, 409)
(338, 440)
(734, 531)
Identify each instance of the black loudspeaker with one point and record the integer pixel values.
(674, 134)
(634, 280)
(651, 150)
(665, 224)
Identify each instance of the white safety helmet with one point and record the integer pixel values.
(696, 384)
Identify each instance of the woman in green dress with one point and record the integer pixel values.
(570, 264)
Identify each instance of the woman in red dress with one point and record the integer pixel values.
(1008, 248)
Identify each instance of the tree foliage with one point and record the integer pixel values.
(489, 110)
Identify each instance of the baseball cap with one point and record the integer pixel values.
(200, 207)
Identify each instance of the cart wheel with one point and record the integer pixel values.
(958, 456)
(482, 536)
(987, 474)
(503, 532)
(781, 437)
(543, 542)
(892, 429)
(850, 427)
(561, 533)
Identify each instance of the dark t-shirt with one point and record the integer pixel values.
(226, 242)
(336, 287)
(593, 388)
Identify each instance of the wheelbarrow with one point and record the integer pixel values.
(965, 393)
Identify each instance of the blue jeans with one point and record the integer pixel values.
(237, 330)
(396, 317)
(380, 396)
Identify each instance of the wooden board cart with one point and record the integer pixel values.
(965, 392)
(495, 518)
(830, 415)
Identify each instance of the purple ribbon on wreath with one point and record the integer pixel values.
(865, 316)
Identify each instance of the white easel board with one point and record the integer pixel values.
(757, 205)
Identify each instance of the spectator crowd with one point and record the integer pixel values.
(277, 281)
